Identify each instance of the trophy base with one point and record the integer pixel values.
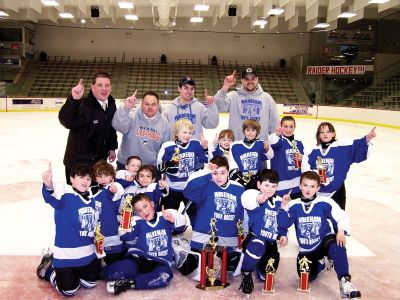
(217, 286)
(266, 292)
(303, 291)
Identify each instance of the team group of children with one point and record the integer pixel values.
(229, 184)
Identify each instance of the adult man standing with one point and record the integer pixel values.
(143, 131)
(187, 107)
(249, 101)
(91, 136)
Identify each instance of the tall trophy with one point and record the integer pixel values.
(321, 170)
(240, 233)
(304, 274)
(176, 157)
(296, 153)
(213, 277)
(126, 215)
(99, 240)
(269, 277)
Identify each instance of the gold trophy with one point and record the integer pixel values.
(247, 177)
(296, 152)
(321, 170)
(304, 274)
(126, 215)
(212, 274)
(99, 240)
(176, 157)
(208, 273)
(269, 277)
(240, 233)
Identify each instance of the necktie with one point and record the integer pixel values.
(104, 105)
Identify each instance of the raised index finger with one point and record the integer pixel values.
(205, 94)
(80, 82)
(134, 94)
(373, 129)
(234, 73)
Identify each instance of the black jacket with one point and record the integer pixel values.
(91, 135)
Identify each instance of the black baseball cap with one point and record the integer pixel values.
(249, 71)
(187, 80)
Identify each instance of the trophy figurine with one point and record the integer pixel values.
(321, 170)
(208, 273)
(176, 157)
(126, 215)
(304, 274)
(240, 233)
(296, 153)
(99, 240)
(247, 177)
(269, 277)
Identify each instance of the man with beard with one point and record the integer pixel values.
(249, 101)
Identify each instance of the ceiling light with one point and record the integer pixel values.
(201, 7)
(347, 15)
(275, 11)
(322, 25)
(50, 2)
(131, 17)
(196, 19)
(260, 22)
(83, 21)
(378, 1)
(3, 14)
(66, 15)
(125, 4)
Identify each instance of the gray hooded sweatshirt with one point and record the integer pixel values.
(243, 105)
(200, 115)
(141, 136)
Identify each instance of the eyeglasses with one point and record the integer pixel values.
(100, 86)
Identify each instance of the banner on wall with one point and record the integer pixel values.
(27, 101)
(339, 70)
(351, 37)
(297, 109)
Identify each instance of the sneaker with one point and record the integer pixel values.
(118, 286)
(45, 264)
(247, 285)
(347, 289)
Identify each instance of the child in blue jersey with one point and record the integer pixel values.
(74, 262)
(217, 198)
(321, 229)
(148, 263)
(127, 177)
(222, 143)
(287, 150)
(178, 160)
(336, 157)
(260, 246)
(108, 209)
(246, 157)
(146, 175)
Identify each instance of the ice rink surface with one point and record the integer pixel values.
(29, 140)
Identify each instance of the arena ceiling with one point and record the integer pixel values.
(221, 16)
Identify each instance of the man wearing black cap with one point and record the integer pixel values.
(249, 101)
(187, 107)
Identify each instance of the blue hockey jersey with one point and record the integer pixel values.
(248, 158)
(107, 207)
(312, 225)
(154, 239)
(262, 217)
(75, 222)
(283, 162)
(190, 157)
(336, 160)
(213, 201)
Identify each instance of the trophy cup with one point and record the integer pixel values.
(240, 233)
(176, 157)
(321, 170)
(269, 277)
(99, 240)
(126, 215)
(304, 275)
(208, 273)
(296, 152)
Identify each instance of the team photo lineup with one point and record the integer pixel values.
(165, 198)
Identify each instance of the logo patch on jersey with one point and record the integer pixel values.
(157, 242)
(87, 218)
(224, 205)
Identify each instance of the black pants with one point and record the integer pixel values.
(340, 196)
